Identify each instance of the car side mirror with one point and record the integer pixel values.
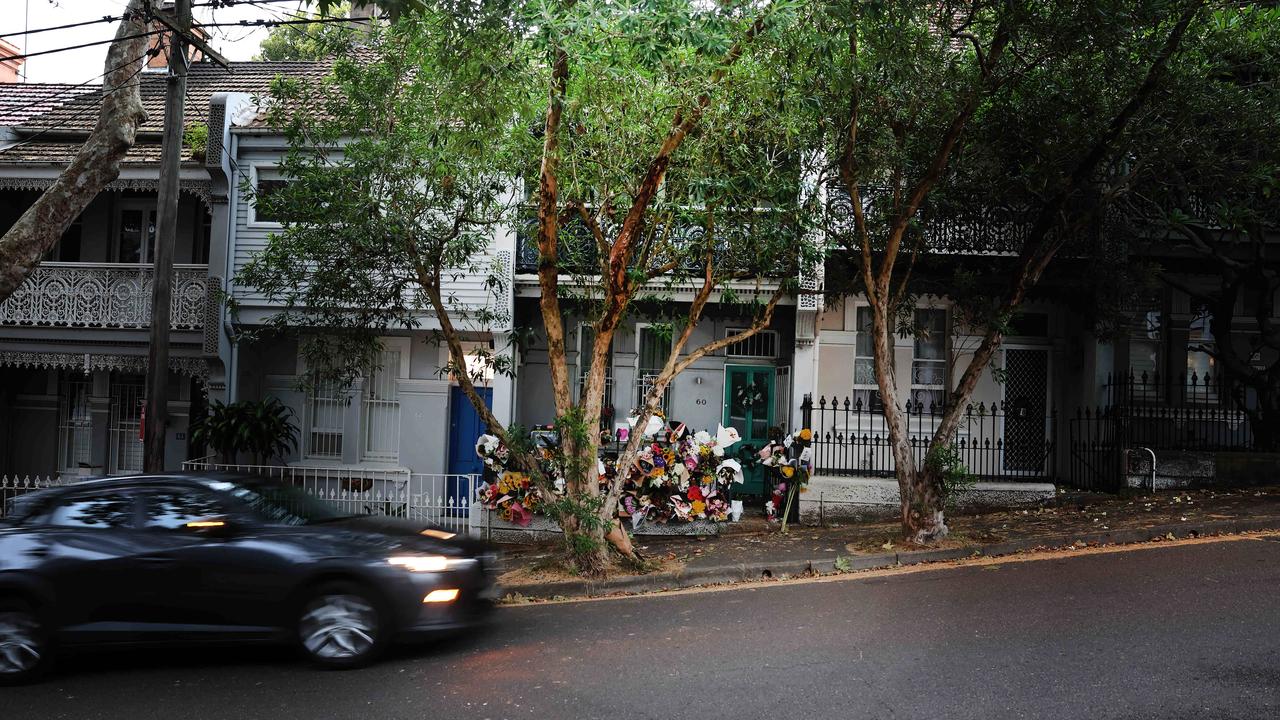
(212, 526)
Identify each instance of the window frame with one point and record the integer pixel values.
(257, 173)
(144, 205)
(918, 388)
(874, 403)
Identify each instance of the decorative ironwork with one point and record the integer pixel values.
(92, 362)
(104, 296)
(199, 188)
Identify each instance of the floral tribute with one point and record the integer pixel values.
(790, 463)
(680, 476)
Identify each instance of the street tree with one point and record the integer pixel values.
(310, 41)
(651, 148)
(930, 108)
(1202, 214)
(95, 165)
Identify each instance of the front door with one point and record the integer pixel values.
(748, 407)
(1026, 422)
(465, 427)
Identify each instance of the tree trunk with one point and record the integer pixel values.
(94, 166)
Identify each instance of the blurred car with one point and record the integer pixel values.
(188, 558)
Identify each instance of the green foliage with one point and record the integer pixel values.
(195, 137)
(944, 462)
(263, 429)
(310, 41)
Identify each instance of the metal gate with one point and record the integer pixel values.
(382, 409)
(127, 397)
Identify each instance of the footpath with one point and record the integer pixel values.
(755, 550)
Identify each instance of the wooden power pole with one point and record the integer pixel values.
(155, 416)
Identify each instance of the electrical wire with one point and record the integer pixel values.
(66, 90)
(103, 19)
(85, 45)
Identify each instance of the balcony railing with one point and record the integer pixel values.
(107, 295)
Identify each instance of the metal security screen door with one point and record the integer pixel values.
(126, 424)
(382, 409)
(75, 424)
(326, 406)
(1026, 440)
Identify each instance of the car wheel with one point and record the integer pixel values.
(24, 647)
(341, 625)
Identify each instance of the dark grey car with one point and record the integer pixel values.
(190, 558)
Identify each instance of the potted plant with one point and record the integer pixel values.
(264, 429)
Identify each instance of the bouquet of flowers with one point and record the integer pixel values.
(680, 476)
(790, 461)
(510, 493)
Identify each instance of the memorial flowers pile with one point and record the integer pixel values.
(680, 476)
(790, 462)
(510, 494)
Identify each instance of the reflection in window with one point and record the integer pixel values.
(101, 510)
(929, 363)
(171, 509)
(1202, 372)
(865, 390)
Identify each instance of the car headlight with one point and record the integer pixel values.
(428, 563)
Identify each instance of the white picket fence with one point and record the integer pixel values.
(12, 487)
(439, 499)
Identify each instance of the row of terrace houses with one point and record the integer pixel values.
(73, 338)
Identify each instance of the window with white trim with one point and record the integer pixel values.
(378, 431)
(266, 181)
(1202, 371)
(653, 348)
(929, 359)
(326, 418)
(866, 393)
(763, 344)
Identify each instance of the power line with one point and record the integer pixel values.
(66, 90)
(85, 45)
(103, 19)
(278, 23)
(87, 108)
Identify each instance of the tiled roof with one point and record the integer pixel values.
(203, 81)
(19, 102)
(60, 153)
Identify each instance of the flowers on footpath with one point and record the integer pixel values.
(510, 494)
(680, 476)
(790, 461)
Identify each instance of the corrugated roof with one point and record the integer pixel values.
(19, 102)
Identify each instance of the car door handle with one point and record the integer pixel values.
(38, 552)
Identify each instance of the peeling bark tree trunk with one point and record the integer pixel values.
(94, 166)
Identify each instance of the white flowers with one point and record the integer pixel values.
(726, 437)
(702, 437)
(732, 469)
(486, 446)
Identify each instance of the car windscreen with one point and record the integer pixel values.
(279, 503)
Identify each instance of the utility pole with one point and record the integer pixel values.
(155, 415)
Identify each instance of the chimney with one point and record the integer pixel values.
(10, 63)
(160, 60)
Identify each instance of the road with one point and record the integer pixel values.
(1186, 631)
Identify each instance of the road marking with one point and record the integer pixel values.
(985, 562)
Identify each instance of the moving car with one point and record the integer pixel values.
(187, 558)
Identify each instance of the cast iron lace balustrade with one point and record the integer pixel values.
(109, 295)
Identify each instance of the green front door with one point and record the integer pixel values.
(748, 407)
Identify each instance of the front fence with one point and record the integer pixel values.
(12, 487)
(992, 441)
(438, 499)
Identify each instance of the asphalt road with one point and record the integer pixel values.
(1176, 632)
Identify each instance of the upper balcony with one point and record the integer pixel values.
(104, 295)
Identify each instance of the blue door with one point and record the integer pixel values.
(464, 427)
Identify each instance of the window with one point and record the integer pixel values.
(102, 509)
(135, 230)
(763, 344)
(586, 341)
(381, 409)
(1202, 372)
(127, 397)
(75, 423)
(653, 347)
(1144, 355)
(326, 408)
(170, 509)
(929, 360)
(866, 394)
(267, 181)
(204, 221)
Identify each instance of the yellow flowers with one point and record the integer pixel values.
(787, 471)
(806, 435)
(512, 481)
(697, 507)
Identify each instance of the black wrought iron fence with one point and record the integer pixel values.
(993, 440)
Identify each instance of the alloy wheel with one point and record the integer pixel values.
(339, 627)
(20, 646)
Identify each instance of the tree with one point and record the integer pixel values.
(657, 143)
(95, 165)
(929, 107)
(1203, 210)
(309, 41)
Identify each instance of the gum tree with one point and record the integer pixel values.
(926, 106)
(656, 147)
